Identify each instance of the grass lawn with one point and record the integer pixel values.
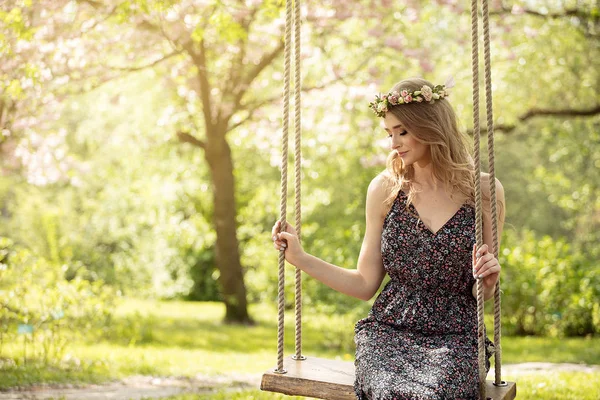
(186, 339)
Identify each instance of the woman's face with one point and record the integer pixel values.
(404, 142)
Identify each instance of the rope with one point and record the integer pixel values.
(492, 172)
(297, 164)
(477, 177)
(284, 161)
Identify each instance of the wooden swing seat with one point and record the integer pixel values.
(334, 380)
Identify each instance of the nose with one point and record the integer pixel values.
(396, 142)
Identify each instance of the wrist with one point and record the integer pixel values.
(299, 261)
(488, 293)
(303, 261)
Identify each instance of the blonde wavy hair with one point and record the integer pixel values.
(434, 125)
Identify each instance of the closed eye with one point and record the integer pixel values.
(402, 133)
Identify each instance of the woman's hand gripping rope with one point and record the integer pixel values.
(485, 266)
(287, 242)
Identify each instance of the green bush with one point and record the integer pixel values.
(35, 295)
(548, 287)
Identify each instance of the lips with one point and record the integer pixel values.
(402, 154)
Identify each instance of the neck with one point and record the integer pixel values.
(423, 175)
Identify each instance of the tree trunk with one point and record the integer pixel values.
(231, 280)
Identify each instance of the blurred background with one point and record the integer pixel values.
(140, 159)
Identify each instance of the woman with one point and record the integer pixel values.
(419, 341)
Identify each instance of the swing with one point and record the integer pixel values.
(332, 379)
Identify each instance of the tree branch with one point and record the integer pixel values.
(187, 138)
(95, 4)
(245, 82)
(152, 64)
(235, 72)
(251, 108)
(263, 63)
(199, 59)
(541, 112)
(569, 112)
(555, 15)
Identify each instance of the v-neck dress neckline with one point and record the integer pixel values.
(420, 220)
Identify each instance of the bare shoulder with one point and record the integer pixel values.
(379, 190)
(485, 187)
(486, 192)
(381, 182)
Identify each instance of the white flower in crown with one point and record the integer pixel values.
(427, 93)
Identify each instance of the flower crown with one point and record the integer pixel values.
(426, 94)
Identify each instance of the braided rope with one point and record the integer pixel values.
(492, 172)
(284, 162)
(297, 164)
(477, 177)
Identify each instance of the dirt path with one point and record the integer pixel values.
(136, 388)
(148, 387)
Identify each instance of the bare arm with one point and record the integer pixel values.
(364, 281)
(488, 292)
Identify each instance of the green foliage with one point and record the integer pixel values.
(69, 371)
(548, 289)
(13, 21)
(34, 292)
(230, 30)
(204, 274)
(135, 222)
(132, 330)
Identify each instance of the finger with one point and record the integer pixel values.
(482, 250)
(284, 236)
(474, 253)
(279, 246)
(482, 260)
(490, 265)
(479, 268)
(276, 229)
(490, 271)
(281, 239)
(275, 235)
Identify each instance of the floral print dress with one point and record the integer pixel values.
(419, 341)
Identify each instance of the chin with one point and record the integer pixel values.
(406, 161)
